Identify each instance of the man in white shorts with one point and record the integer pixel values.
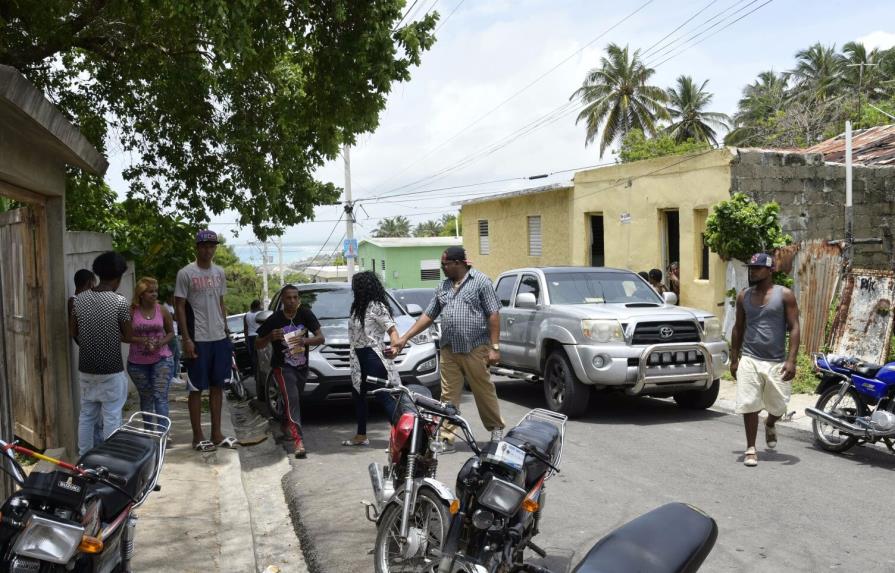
(759, 359)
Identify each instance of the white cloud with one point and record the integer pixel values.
(878, 39)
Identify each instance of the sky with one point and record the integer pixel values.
(500, 66)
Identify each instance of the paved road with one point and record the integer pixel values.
(801, 509)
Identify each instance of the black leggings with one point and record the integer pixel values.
(370, 365)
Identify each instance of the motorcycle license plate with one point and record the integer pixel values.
(509, 455)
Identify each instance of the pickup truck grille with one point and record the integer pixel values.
(651, 332)
(338, 355)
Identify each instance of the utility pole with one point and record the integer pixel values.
(849, 214)
(262, 247)
(279, 243)
(349, 209)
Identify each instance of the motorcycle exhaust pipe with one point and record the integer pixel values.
(376, 482)
(844, 426)
(127, 542)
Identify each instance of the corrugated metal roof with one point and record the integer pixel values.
(871, 146)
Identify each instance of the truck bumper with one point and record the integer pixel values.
(658, 368)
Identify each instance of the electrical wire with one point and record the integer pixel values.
(448, 17)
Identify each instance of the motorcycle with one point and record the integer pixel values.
(235, 386)
(856, 404)
(81, 517)
(502, 492)
(411, 508)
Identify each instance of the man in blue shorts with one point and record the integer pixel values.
(206, 346)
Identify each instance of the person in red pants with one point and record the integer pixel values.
(289, 329)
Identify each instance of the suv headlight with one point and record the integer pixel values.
(423, 337)
(711, 329)
(603, 330)
(48, 539)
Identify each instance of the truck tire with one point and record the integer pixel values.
(562, 390)
(698, 399)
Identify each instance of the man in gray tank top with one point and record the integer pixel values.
(759, 360)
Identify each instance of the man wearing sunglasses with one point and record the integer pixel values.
(470, 335)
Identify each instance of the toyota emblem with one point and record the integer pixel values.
(666, 332)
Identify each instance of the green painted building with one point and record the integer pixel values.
(405, 262)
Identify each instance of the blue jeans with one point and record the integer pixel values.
(153, 381)
(174, 345)
(370, 365)
(102, 398)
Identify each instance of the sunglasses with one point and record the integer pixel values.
(445, 263)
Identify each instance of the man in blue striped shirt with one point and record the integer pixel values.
(470, 336)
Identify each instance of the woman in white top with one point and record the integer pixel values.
(250, 328)
(370, 321)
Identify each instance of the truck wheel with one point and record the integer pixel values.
(698, 399)
(564, 393)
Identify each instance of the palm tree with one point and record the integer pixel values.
(393, 227)
(818, 75)
(431, 228)
(762, 100)
(862, 69)
(686, 105)
(617, 97)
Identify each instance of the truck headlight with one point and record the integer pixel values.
(712, 329)
(49, 540)
(603, 330)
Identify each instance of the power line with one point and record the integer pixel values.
(670, 45)
(687, 21)
(519, 91)
(398, 25)
(448, 17)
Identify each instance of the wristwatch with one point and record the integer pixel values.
(495, 347)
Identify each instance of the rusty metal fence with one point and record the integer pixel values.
(863, 324)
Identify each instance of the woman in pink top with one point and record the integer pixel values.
(150, 362)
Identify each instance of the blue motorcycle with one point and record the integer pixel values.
(856, 404)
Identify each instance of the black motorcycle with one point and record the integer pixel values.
(80, 518)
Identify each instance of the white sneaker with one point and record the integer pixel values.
(497, 435)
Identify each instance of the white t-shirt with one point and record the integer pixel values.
(250, 321)
(203, 289)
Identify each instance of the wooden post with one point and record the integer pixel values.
(6, 423)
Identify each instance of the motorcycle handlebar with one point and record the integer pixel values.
(434, 405)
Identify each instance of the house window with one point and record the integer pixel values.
(430, 270)
(484, 238)
(534, 236)
(362, 264)
(383, 264)
(700, 249)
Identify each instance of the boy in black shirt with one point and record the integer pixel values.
(289, 329)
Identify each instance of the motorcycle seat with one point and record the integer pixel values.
(132, 458)
(544, 437)
(865, 369)
(670, 539)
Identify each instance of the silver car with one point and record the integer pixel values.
(329, 375)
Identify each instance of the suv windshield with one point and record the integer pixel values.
(333, 304)
(599, 287)
(234, 323)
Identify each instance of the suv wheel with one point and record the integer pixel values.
(273, 402)
(562, 390)
(698, 399)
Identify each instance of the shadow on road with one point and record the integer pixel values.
(608, 407)
(865, 456)
(770, 456)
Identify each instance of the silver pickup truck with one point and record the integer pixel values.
(579, 328)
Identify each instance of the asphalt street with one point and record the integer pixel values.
(801, 509)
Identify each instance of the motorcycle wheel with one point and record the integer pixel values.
(428, 527)
(237, 388)
(849, 408)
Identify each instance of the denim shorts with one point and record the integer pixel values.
(211, 368)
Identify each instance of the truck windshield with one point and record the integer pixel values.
(599, 287)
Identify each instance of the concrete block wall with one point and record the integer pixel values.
(811, 195)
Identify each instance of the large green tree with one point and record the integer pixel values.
(690, 120)
(819, 73)
(220, 104)
(618, 98)
(393, 227)
(430, 228)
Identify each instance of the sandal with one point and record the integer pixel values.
(355, 443)
(229, 443)
(770, 436)
(750, 458)
(300, 452)
(204, 446)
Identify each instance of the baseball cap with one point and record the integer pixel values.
(761, 260)
(456, 253)
(206, 236)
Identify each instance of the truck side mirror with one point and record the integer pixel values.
(263, 315)
(670, 297)
(526, 300)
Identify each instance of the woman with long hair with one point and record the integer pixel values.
(371, 319)
(150, 362)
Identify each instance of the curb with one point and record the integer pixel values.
(236, 532)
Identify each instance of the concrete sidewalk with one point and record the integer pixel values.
(204, 519)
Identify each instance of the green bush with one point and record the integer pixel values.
(636, 146)
(740, 227)
(806, 379)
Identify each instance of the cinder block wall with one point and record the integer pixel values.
(811, 195)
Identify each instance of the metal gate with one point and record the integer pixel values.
(863, 324)
(23, 320)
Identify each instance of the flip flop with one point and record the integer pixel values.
(229, 443)
(204, 446)
(353, 444)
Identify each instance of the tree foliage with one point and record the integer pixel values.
(636, 146)
(430, 228)
(619, 99)
(739, 227)
(222, 105)
(690, 121)
(398, 226)
(449, 226)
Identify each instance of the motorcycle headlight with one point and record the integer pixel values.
(48, 540)
(423, 337)
(712, 329)
(603, 330)
(501, 496)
